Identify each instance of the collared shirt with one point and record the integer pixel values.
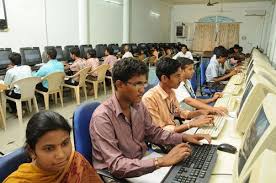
(110, 60)
(162, 107)
(17, 73)
(50, 67)
(78, 65)
(184, 91)
(188, 54)
(119, 144)
(127, 55)
(212, 70)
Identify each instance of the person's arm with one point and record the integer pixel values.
(41, 72)
(8, 78)
(176, 56)
(226, 76)
(105, 140)
(199, 103)
(74, 67)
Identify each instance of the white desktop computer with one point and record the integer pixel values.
(260, 135)
(256, 90)
(262, 170)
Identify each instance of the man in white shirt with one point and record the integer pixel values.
(184, 52)
(15, 72)
(127, 52)
(185, 93)
(214, 72)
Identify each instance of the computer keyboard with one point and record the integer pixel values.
(197, 168)
(232, 89)
(237, 79)
(215, 130)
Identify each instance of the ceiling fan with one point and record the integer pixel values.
(211, 4)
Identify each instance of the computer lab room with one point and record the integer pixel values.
(137, 91)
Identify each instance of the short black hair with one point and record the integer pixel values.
(221, 51)
(15, 58)
(181, 46)
(52, 52)
(166, 66)
(43, 122)
(110, 50)
(92, 53)
(185, 61)
(75, 51)
(126, 68)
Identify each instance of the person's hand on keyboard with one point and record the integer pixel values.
(177, 154)
(202, 121)
(222, 111)
(195, 139)
(217, 95)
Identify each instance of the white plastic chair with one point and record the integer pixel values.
(3, 87)
(27, 90)
(55, 81)
(101, 71)
(82, 76)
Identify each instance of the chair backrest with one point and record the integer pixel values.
(82, 75)
(203, 66)
(10, 162)
(194, 81)
(55, 80)
(101, 71)
(81, 120)
(27, 86)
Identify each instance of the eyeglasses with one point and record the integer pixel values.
(138, 85)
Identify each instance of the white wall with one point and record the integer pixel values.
(27, 23)
(253, 27)
(148, 28)
(105, 22)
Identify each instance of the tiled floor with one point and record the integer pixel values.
(14, 136)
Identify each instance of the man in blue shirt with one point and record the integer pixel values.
(53, 65)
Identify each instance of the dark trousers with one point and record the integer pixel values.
(71, 82)
(12, 94)
(40, 87)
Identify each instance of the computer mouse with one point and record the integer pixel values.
(227, 148)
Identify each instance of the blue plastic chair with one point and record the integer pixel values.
(81, 120)
(204, 90)
(194, 82)
(10, 162)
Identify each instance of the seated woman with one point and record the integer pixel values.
(53, 160)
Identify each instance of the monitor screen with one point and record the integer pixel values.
(32, 56)
(250, 76)
(4, 58)
(245, 95)
(254, 134)
(60, 56)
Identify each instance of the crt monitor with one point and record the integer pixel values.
(84, 49)
(115, 48)
(256, 90)
(4, 58)
(30, 56)
(259, 136)
(262, 170)
(67, 52)
(100, 49)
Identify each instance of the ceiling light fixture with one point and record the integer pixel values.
(113, 2)
(154, 14)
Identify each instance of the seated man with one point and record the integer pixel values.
(215, 72)
(183, 52)
(185, 93)
(110, 59)
(77, 65)
(15, 72)
(127, 53)
(121, 125)
(162, 103)
(53, 65)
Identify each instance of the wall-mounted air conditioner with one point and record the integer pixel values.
(181, 30)
(254, 12)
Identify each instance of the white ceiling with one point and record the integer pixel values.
(177, 2)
